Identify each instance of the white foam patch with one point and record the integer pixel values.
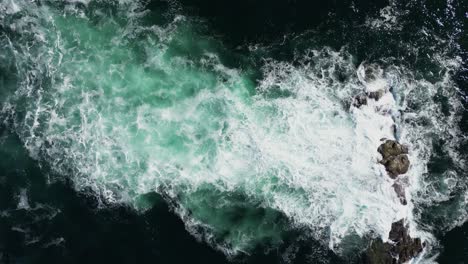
(10, 7)
(23, 202)
(387, 19)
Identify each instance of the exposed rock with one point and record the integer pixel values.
(404, 247)
(396, 165)
(378, 253)
(392, 148)
(400, 249)
(376, 95)
(359, 100)
(394, 159)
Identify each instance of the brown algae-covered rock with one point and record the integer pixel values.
(392, 148)
(396, 165)
(394, 157)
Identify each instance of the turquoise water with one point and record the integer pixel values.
(244, 145)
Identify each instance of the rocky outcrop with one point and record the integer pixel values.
(394, 156)
(400, 248)
(391, 148)
(396, 162)
(396, 165)
(361, 99)
(376, 95)
(404, 248)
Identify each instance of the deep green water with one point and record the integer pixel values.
(175, 132)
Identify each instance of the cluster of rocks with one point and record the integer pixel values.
(361, 99)
(395, 158)
(400, 247)
(396, 162)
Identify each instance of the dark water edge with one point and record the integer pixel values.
(455, 245)
(262, 21)
(83, 233)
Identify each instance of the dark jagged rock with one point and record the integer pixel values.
(392, 148)
(400, 191)
(376, 95)
(378, 253)
(396, 165)
(404, 248)
(359, 100)
(394, 159)
(399, 250)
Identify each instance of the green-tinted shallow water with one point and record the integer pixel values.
(170, 132)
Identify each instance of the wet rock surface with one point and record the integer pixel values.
(396, 162)
(400, 191)
(404, 247)
(400, 249)
(376, 95)
(394, 156)
(361, 99)
(392, 148)
(396, 165)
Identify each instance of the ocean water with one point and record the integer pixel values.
(187, 131)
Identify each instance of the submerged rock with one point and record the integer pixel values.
(400, 191)
(400, 249)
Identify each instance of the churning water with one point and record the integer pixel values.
(123, 101)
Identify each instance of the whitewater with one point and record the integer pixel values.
(125, 102)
